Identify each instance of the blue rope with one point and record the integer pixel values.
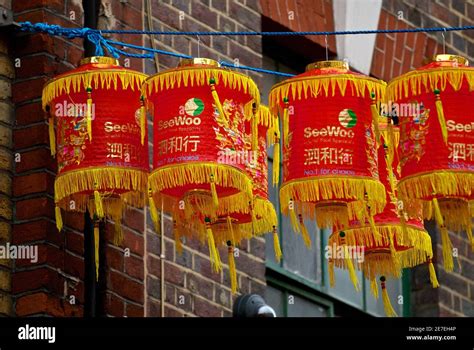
(96, 37)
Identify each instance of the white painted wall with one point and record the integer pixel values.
(356, 15)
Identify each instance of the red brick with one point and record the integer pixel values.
(134, 310)
(125, 287)
(75, 242)
(132, 241)
(28, 90)
(115, 306)
(35, 159)
(35, 207)
(31, 66)
(114, 258)
(169, 312)
(42, 258)
(73, 265)
(53, 5)
(406, 62)
(134, 219)
(154, 309)
(200, 286)
(203, 266)
(33, 183)
(29, 280)
(30, 137)
(29, 113)
(32, 231)
(134, 267)
(205, 309)
(31, 304)
(74, 220)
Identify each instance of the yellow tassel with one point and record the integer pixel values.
(445, 241)
(441, 119)
(375, 119)
(232, 269)
(374, 288)
(254, 128)
(89, 112)
(286, 121)
(348, 261)
(276, 245)
(304, 232)
(387, 305)
(213, 252)
(142, 120)
(96, 249)
(155, 217)
(215, 198)
(217, 102)
(294, 219)
(99, 209)
(230, 228)
(59, 219)
(177, 238)
(332, 279)
(433, 278)
(276, 159)
(372, 224)
(52, 136)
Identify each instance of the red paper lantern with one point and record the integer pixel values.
(99, 141)
(329, 149)
(200, 111)
(396, 241)
(437, 143)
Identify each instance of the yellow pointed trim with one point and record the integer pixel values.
(192, 76)
(325, 85)
(425, 81)
(96, 79)
(319, 189)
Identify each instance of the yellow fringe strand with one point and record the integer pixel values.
(304, 232)
(374, 288)
(215, 198)
(232, 268)
(59, 219)
(213, 252)
(99, 209)
(286, 121)
(433, 278)
(276, 159)
(441, 118)
(89, 113)
(143, 121)
(155, 216)
(446, 242)
(348, 262)
(375, 119)
(387, 305)
(52, 136)
(276, 245)
(294, 219)
(223, 116)
(96, 249)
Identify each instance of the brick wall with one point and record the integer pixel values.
(6, 161)
(396, 54)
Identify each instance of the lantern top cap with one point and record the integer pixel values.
(328, 64)
(462, 61)
(198, 61)
(100, 60)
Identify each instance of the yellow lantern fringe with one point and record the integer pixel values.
(96, 249)
(375, 119)
(97, 79)
(441, 118)
(215, 198)
(326, 85)
(143, 120)
(294, 220)
(230, 228)
(199, 173)
(276, 245)
(59, 219)
(99, 209)
(224, 118)
(276, 159)
(446, 242)
(332, 214)
(52, 136)
(184, 77)
(374, 288)
(304, 232)
(335, 188)
(89, 113)
(417, 82)
(213, 252)
(232, 268)
(433, 278)
(387, 305)
(155, 216)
